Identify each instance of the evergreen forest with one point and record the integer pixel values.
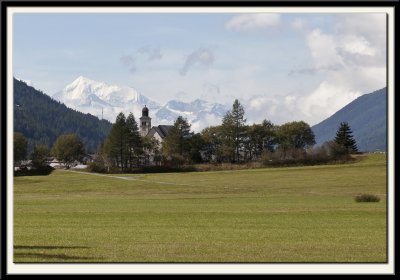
(42, 119)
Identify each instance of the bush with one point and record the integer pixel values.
(42, 171)
(97, 167)
(367, 198)
(336, 151)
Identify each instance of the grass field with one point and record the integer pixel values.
(297, 214)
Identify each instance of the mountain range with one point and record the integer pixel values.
(106, 101)
(95, 105)
(367, 117)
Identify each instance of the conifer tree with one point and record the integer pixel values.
(124, 146)
(233, 128)
(135, 143)
(116, 144)
(20, 148)
(344, 137)
(176, 144)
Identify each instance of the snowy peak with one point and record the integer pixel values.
(196, 106)
(83, 87)
(107, 101)
(199, 113)
(101, 99)
(81, 80)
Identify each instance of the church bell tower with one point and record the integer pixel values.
(145, 122)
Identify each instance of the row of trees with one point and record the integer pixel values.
(232, 141)
(68, 149)
(235, 142)
(124, 148)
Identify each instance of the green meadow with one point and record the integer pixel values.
(270, 215)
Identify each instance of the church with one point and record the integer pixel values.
(158, 132)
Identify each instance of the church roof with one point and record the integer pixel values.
(162, 130)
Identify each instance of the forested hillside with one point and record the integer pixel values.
(41, 119)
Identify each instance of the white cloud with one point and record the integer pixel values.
(273, 108)
(352, 58)
(323, 49)
(357, 45)
(207, 120)
(371, 26)
(327, 99)
(245, 22)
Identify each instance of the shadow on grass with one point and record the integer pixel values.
(60, 257)
(46, 256)
(49, 247)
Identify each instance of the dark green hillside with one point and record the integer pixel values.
(367, 116)
(42, 119)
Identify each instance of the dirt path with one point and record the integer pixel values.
(130, 178)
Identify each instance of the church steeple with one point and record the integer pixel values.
(145, 122)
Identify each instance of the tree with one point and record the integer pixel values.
(196, 144)
(212, 142)
(20, 148)
(123, 146)
(39, 157)
(135, 143)
(233, 130)
(345, 138)
(176, 144)
(151, 148)
(335, 150)
(295, 137)
(116, 145)
(259, 138)
(68, 148)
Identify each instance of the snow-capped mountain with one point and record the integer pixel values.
(103, 100)
(199, 113)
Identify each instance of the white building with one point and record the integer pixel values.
(158, 132)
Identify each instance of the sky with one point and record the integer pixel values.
(281, 66)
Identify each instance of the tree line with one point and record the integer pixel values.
(68, 149)
(233, 141)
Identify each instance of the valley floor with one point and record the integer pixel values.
(275, 215)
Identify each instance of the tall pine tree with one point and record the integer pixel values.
(233, 130)
(124, 146)
(344, 137)
(176, 144)
(116, 144)
(135, 143)
(20, 148)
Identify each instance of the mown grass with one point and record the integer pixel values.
(298, 214)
